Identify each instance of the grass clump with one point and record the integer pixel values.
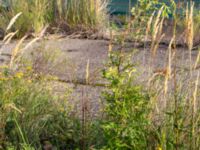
(32, 117)
(36, 14)
(83, 13)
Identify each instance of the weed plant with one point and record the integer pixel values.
(126, 106)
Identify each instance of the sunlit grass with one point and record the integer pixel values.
(80, 14)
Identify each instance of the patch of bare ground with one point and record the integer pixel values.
(81, 52)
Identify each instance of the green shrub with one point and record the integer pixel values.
(126, 107)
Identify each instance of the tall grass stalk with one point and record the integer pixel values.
(189, 39)
(175, 87)
(180, 115)
(197, 60)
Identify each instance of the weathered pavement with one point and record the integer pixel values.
(79, 52)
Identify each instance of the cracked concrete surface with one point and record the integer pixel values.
(81, 51)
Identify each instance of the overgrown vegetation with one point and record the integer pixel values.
(66, 14)
(31, 116)
(163, 113)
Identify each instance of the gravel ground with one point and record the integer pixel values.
(79, 52)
